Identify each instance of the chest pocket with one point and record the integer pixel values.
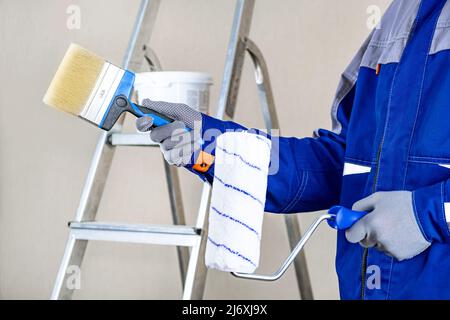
(431, 141)
(432, 132)
(385, 46)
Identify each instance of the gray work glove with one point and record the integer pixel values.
(391, 226)
(177, 144)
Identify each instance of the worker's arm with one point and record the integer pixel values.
(309, 176)
(309, 170)
(432, 207)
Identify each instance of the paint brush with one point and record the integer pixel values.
(87, 86)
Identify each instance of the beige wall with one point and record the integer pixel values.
(44, 155)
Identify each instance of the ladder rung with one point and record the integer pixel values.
(131, 139)
(134, 233)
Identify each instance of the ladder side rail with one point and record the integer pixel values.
(228, 94)
(267, 101)
(173, 183)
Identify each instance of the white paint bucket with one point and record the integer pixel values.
(191, 88)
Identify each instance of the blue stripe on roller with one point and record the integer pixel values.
(221, 245)
(240, 158)
(235, 220)
(227, 185)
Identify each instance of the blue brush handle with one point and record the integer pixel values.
(344, 218)
(158, 118)
(122, 103)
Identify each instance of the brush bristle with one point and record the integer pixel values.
(74, 80)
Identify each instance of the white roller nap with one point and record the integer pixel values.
(237, 202)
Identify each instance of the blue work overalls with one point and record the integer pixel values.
(391, 131)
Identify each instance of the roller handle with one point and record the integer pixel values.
(343, 218)
(338, 217)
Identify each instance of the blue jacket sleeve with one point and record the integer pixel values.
(210, 130)
(432, 209)
(306, 174)
(309, 175)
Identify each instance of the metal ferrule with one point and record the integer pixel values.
(103, 93)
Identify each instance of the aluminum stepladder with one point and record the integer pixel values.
(85, 228)
(192, 267)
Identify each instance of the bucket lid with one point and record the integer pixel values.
(173, 76)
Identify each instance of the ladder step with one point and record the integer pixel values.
(131, 139)
(135, 233)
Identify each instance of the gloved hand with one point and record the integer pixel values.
(391, 225)
(195, 149)
(177, 144)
